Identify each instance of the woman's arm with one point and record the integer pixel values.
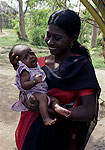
(33, 105)
(85, 111)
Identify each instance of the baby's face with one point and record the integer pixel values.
(27, 56)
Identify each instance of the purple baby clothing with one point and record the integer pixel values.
(40, 87)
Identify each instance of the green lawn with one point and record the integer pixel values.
(8, 41)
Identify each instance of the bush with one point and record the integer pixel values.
(36, 36)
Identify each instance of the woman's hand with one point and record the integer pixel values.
(31, 104)
(14, 61)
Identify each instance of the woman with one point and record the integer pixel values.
(71, 78)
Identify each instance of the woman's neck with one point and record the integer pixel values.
(60, 58)
(53, 61)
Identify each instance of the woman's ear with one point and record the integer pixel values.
(72, 40)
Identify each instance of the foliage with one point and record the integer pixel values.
(15, 23)
(98, 61)
(37, 36)
(7, 18)
(86, 30)
(36, 24)
(99, 39)
(99, 16)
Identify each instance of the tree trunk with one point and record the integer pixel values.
(100, 4)
(95, 15)
(21, 21)
(1, 23)
(94, 35)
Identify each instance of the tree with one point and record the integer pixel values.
(100, 4)
(94, 35)
(1, 23)
(99, 17)
(21, 19)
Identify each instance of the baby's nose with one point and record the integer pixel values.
(30, 56)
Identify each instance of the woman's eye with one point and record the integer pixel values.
(58, 38)
(47, 35)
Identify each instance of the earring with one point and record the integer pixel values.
(71, 44)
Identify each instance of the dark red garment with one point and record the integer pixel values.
(26, 120)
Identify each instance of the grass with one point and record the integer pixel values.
(7, 42)
(98, 61)
(10, 40)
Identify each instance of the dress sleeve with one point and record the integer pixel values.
(22, 67)
(84, 92)
(41, 61)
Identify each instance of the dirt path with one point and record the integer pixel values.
(4, 33)
(97, 140)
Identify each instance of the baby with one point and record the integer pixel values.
(30, 78)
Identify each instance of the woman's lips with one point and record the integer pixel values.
(52, 49)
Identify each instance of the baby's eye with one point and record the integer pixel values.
(26, 56)
(32, 53)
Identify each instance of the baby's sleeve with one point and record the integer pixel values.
(22, 67)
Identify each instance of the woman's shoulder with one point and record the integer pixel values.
(45, 60)
(41, 61)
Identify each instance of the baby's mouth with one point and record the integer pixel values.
(33, 62)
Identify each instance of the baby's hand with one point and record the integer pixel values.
(39, 78)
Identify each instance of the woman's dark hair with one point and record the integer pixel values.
(70, 22)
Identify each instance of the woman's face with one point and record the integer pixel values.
(57, 40)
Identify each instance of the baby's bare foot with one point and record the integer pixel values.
(62, 111)
(48, 121)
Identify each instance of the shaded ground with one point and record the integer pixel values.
(9, 119)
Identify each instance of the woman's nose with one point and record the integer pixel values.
(50, 41)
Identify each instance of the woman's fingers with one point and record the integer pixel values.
(31, 103)
(33, 99)
(34, 103)
(25, 100)
(14, 61)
